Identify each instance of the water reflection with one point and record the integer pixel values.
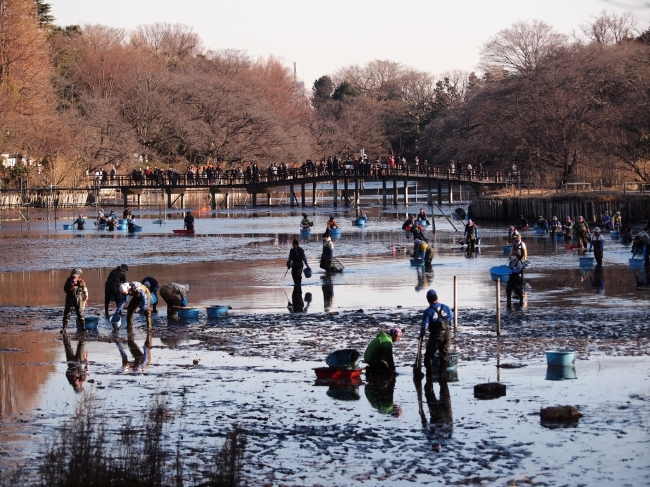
(297, 303)
(328, 291)
(379, 391)
(141, 357)
(641, 277)
(425, 277)
(77, 371)
(342, 390)
(597, 281)
(440, 423)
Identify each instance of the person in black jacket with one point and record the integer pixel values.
(294, 262)
(112, 286)
(189, 221)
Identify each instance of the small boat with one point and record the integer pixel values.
(522, 228)
(183, 232)
(337, 373)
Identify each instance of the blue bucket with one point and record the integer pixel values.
(188, 313)
(417, 262)
(305, 232)
(561, 373)
(217, 311)
(307, 271)
(587, 262)
(361, 222)
(560, 358)
(137, 228)
(559, 236)
(422, 223)
(500, 272)
(121, 227)
(91, 322)
(116, 320)
(614, 234)
(101, 226)
(540, 231)
(335, 232)
(122, 221)
(68, 227)
(507, 249)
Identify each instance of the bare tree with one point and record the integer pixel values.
(521, 48)
(609, 28)
(176, 43)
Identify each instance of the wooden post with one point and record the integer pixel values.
(291, 196)
(394, 191)
(383, 189)
(302, 195)
(498, 307)
(455, 303)
(335, 192)
(313, 194)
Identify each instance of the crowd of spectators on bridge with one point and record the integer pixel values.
(248, 173)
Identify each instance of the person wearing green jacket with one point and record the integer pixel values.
(379, 353)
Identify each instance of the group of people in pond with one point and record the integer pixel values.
(141, 295)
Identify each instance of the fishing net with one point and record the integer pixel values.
(336, 266)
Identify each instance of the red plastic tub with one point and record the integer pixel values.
(337, 373)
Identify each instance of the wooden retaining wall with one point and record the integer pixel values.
(633, 208)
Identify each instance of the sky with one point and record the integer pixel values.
(435, 36)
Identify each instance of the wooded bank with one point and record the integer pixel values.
(634, 208)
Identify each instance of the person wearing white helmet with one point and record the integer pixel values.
(140, 298)
(379, 353)
(597, 244)
(76, 297)
(437, 318)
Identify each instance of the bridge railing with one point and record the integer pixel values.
(298, 175)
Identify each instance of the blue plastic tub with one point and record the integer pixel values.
(68, 227)
(422, 223)
(587, 262)
(188, 313)
(636, 263)
(335, 232)
(122, 221)
(217, 311)
(91, 322)
(500, 272)
(137, 228)
(559, 237)
(614, 234)
(361, 222)
(540, 231)
(305, 232)
(101, 226)
(507, 249)
(560, 358)
(121, 227)
(561, 373)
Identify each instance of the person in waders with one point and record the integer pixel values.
(76, 297)
(437, 318)
(80, 222)
(112, 286)
(597, 244)
(328, 253)
(189, 221)
(175, 295)
(295, 261)
(140, 298)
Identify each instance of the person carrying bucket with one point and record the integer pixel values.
(295, 261)
(597, 244)
(331, 224)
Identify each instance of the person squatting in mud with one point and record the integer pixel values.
(437, 319)
(76, 297)
(175, 295)
(379, 353)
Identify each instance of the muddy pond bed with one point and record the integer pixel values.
(254, 368)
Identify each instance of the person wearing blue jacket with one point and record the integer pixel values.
(140, 298)
(437, 318)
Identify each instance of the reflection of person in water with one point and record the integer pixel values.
(441, 421)
(424, 275)
(77, 371)
(297, 305)
(379, 392)
(141, 358)
(641, 281)
(328, 291)
(597, 281)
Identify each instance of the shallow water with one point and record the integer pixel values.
(255, 366)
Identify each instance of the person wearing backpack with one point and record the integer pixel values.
(437, 318)
(76, 297)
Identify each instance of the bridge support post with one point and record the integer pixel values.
(429, 196)
(226, 200)
(335, 193)
(302, 195)
(313, 194)
(139, 199)
(406, 192)
(439, 192)
(269, 199)
(346, 192)
(356, 191)
(291, 196)
(451, 194)
(383, 190)
(125, 197)
(394, 191)
(254, 200)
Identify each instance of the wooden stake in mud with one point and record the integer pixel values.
(455, 303)
(498, 307)
(417, 367)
